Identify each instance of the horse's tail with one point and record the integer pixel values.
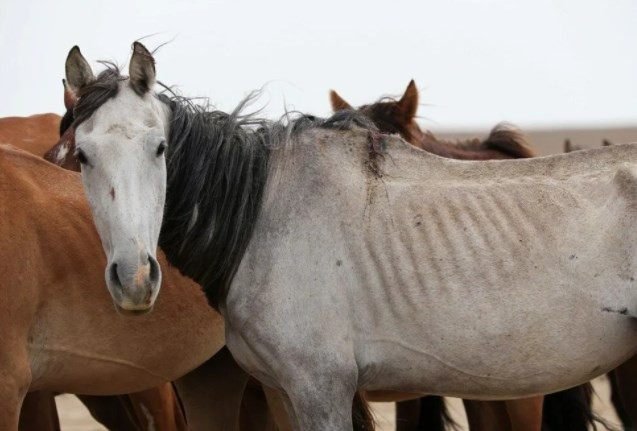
(424, 414)
(509, 140)
(571, 410)
(362, 415)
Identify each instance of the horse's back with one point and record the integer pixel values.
(35, 134)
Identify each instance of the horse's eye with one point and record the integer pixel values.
(81, 157)
(161, 148)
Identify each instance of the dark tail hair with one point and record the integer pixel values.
(362, 415)
(509, 140)
(571, 410)
(424, 414)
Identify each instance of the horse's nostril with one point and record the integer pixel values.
(114, 276)
(154, 269)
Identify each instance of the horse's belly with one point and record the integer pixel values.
(90, 377)
(477, 360)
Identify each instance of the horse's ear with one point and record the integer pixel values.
(141, 69)
(78, 71)
(409, 102)
(69, 96)
(338, 103)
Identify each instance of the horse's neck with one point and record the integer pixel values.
(214, 193)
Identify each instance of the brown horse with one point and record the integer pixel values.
(399, 117)
(394, 116)
(158, 406)
(51, 263)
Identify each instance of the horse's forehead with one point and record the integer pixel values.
(127, 112)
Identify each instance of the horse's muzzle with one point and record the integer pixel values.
(134, 283)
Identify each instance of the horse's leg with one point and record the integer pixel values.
(408, 415)
(525, 414)
(157, 408)
(487, 415)
(255, 412)
(276, 404)
(626, 375)
(425, 413)
(114, 412)
(322, 401)
(212, 393)
(15, 378)
(39, 412)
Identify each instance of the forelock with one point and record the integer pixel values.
(98, 92)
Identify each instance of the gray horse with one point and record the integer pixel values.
(342, 259)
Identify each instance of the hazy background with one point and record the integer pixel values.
(540, 63)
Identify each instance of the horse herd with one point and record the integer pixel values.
(344, 259)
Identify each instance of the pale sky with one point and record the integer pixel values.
(476, 62)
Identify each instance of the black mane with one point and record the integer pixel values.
(218, 166)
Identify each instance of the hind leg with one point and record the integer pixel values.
(114, 412)
(487, 415)
(39, 412)
(525, 414)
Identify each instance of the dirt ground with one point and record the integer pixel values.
(74, 417)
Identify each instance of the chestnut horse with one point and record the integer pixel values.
(398, 116)
(158, 406)
(51, 260)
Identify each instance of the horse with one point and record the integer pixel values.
(398, 116)
(51, 263)
(260, 408)
(133, 411)
(346, 260)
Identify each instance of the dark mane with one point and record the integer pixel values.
(218, 167)
(217, 173)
